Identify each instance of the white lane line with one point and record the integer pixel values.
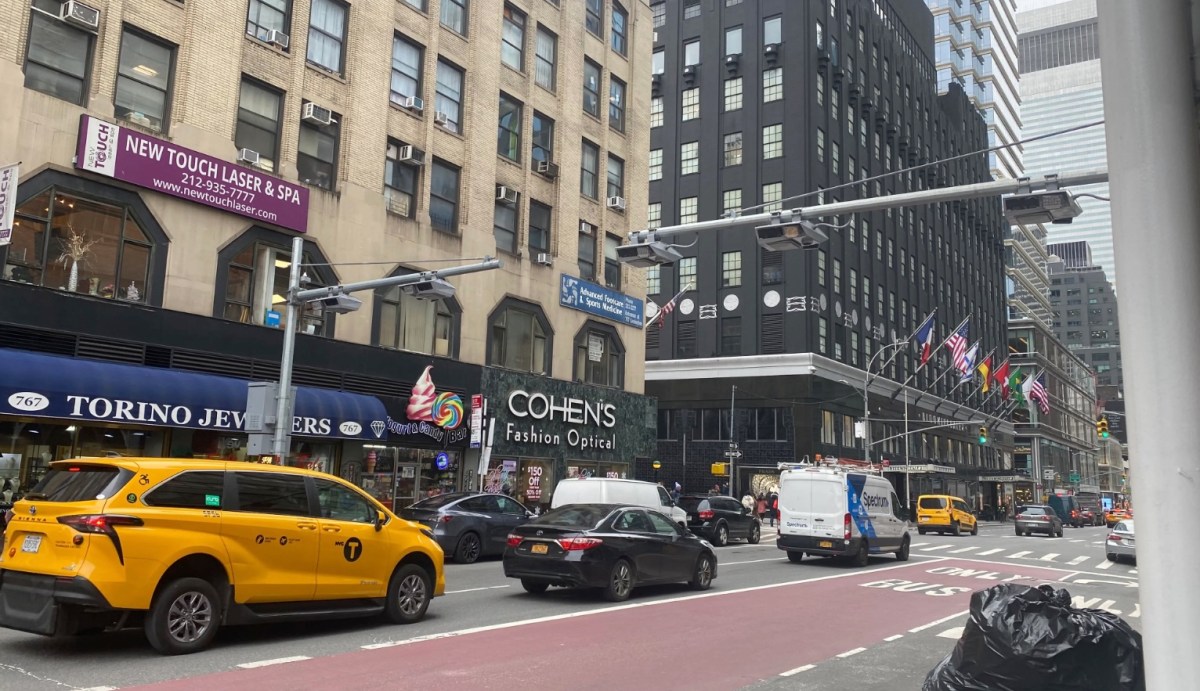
(918, 544)
(751, 561)
(939, 559)
(990, 551)
(1049, 557)
(960, 550)
(955, 632)
(897, 637)
(474, 590)
(1018, 555)
(1077, 560)
(276, 661)
(848, 653)
(1133, 571)
(1106, 564)
(99, 688)
(936, 548)
(802, 668)
(943, 620)
(617, 608)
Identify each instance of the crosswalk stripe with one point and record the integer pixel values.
(1133, 571)
(936, 548)
(1017, 555)
(1106, 564)
(960, 550)
(1049, 557)
(1077, 560)
(918, 544)
(987, 552)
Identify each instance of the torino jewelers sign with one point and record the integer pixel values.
(579, 414)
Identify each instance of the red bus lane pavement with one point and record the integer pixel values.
(715, 640)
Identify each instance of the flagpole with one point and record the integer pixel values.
(931, 354)
(660, 315)
(911, 336)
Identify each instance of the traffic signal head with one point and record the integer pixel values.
(1102, 428)
(983, 435)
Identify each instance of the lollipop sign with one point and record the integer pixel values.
(426, 405)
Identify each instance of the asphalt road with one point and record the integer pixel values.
(767, 623)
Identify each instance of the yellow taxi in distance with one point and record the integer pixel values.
(943, 513)
(184, 547)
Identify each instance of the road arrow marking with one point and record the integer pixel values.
(954, 633)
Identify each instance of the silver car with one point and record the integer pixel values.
(1120, 542)
(469, 525)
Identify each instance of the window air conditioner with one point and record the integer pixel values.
(617, 203)
(412, 155)
(547, 168)
(80, 15)
(506, 195)
(316, 114)
(545, 259)
(278, 38)
(248, 156)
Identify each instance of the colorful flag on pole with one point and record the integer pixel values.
(957, 343)
(1035, 391)
(1014, 386)
(967, 364)
(664, 311)
(1001, 378)
(8, 200)
(925, 337)
(985, 370)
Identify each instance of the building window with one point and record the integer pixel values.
(656, 164)
(773, 85)
(612, 266)
(772, 141)
(316, 157)
(835, 157)
(443, 197)
(822, 335)
(691, 53)
(594, 21)
(616, 104)
(545, 57)
(406, 70)
(589, 171)
(852, 296)
(731, 336)
(616, 177)
(599, 355)
(820, 82)
(691, 104)
(689, 158)
(416, 4)
(543, 138)
(687, 274)
(620, 29)
(400, 179)
(454, 15)
(258, 122)
(512, 38)
(587, 251)
(539, 227)
(687, 210)
(408, 323)
(854, 347)
(658, 61)
(449, 94)
(255, 280)
(654, 215)
(58, 57)
(508, 134)
(143, 80)
(733, 94)
(820, 145)
(731, 269)
(520, 337)
(733, 41)
(327, 34)
(772, 31)
(866, 293)
(653, 280)
(821, 263)
(772, 193)
(656, 111)
(658, 13)
(504, 227)
(68, 242)
(772, 268)
(733, 149)
(731, 202)
(265, 16)
(691, 9)
(591, 88)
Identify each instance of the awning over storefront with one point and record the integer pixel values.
(32, 384)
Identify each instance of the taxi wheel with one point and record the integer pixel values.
(184, 617)
(956, 528)
(921, 531)
(975, 528)
(408, 595)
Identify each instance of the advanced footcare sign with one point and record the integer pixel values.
(156, 164)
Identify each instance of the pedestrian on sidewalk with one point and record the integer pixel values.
(761, 508)
(748, 501)
(774, 509)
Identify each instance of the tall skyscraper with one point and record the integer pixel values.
(1060, 89)
(976, 47)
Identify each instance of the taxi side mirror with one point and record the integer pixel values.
(380, 519)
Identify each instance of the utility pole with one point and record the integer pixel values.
(1146, 52)
(733, 449)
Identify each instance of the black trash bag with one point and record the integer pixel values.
(1021, 638)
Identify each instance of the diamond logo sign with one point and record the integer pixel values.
(378, 426)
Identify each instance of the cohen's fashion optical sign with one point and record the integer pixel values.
(572, 411)
(125, 154)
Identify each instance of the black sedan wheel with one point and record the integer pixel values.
(620, 582)
(702, 578)
(755, 534)
(535, 587)
(468, 550)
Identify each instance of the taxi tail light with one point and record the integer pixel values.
(514, 540)
(104, 524)
(578, 544)
(707, 514)
(846, 526)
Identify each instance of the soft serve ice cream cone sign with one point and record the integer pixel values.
(435, 415)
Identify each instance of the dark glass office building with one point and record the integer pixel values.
(786, 105)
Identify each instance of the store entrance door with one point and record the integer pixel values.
(406, 485)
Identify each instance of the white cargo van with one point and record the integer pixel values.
(608, 490)
(839, 511)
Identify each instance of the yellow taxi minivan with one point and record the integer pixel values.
(943, 513)
(183, 547)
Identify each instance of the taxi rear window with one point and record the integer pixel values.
(79, 482)
(932, 503)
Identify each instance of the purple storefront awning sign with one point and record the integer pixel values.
(156, 164)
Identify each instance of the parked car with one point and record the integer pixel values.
(469, 525)
(1039, 519)
(608, 546)
(720, 519)
(944, 513)
(183, 547)
(1121, 542)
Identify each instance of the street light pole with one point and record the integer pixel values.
(867, 379)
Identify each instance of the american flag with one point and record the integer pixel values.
(1037, 392)
(664, 311)
(957, 343)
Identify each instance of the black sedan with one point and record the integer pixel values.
(469, 525)
(607, 546)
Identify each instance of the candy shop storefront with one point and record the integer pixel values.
(547, 429)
